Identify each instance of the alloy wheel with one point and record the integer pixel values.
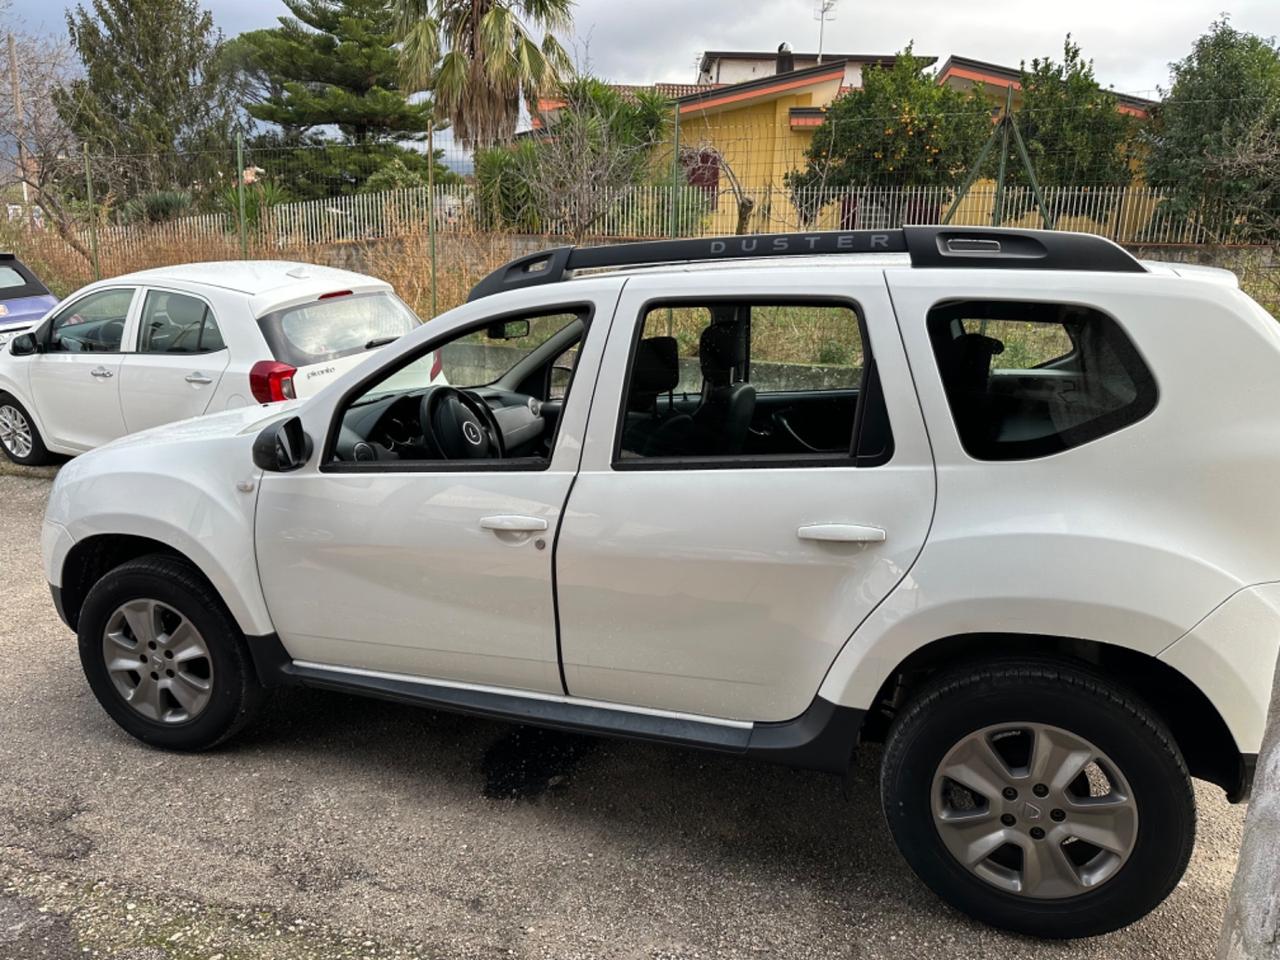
(1035, 810)
(157, 661)
(15, 431)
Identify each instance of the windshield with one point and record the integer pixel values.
(335, 327)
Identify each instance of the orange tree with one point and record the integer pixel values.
(900, 128)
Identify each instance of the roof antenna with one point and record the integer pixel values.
(824, 11)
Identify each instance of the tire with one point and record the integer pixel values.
(162, 591)
(1150, 805)
(19, 438)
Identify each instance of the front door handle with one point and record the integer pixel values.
(508, 523)
(101, 372)
(197, 377)
(841, 533)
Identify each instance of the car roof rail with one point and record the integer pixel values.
(928, 247)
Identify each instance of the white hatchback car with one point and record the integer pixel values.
(135, 351)
(1000, 499)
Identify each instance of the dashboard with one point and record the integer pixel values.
(390, 428)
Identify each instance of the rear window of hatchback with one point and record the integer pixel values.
(336, 326)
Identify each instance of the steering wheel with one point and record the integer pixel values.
(458, 425)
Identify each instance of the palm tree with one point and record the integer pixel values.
(478, 57)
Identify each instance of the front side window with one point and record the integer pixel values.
(93, 324)
(335, 326)
(480, 396)
(751, 382)
(1027, 380)
(177, 323)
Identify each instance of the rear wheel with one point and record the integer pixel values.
(1039, 797)
(164, 657)
(19, 438)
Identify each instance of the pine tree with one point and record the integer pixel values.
(332, 64)
(153, 89)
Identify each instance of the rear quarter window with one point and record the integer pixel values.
(335, 327)
(1026, 380)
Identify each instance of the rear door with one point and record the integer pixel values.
(179, 357)
(718, 569)
(75, 381)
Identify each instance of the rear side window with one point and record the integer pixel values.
(736, 382)
(336, 326)
(177, 323)
(1028, 380)
(17, 281)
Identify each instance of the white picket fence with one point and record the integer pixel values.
(1134, 214)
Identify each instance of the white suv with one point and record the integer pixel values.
(1000, 499)
(157, 346)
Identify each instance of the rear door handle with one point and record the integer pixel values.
(102, 372)
(198, 377)
(841, 533)
(508, 523)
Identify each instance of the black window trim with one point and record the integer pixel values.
(31, 285)
(44, 333)
(851, 460)
(1112, 422)
(584, 310)
(149, 289)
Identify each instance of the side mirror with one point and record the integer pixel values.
(24, 345)
(560, 377)
(507, 330)
(282, 446)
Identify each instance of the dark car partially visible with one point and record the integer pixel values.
(23, 298)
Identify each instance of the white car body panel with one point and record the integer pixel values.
(1227, 655)
(411, 543)
(179, 485)
(1060, 545)
(689, 590)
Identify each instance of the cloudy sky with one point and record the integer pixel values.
(1131, 41)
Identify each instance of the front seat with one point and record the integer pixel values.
(656, 371)
(722, 419)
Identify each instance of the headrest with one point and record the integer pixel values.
(968, 362)
(657, 367)
(184, 311)
(720, 351)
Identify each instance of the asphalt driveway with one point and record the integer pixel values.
(341, 827)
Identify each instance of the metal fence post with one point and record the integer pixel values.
(93, 214)
(431, 207)
(244, 234)
(675, 171)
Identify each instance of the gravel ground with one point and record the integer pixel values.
(339, 827)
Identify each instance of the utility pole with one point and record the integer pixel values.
(824, 11)
(18, 118)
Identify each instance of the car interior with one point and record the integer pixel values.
(93, 325)
(1026, 379)
(728, 400)
(407, 418)
(173, 323)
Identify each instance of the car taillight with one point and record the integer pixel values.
(436, 364)
(271, 380)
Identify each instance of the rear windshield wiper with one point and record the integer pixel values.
(380, 342)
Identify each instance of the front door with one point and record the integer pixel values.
(413, 548)
(756, 480)
(75, 382)
(179, 357)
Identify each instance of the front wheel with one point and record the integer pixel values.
(164, 656)
(19, 437)
(1039, 797)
